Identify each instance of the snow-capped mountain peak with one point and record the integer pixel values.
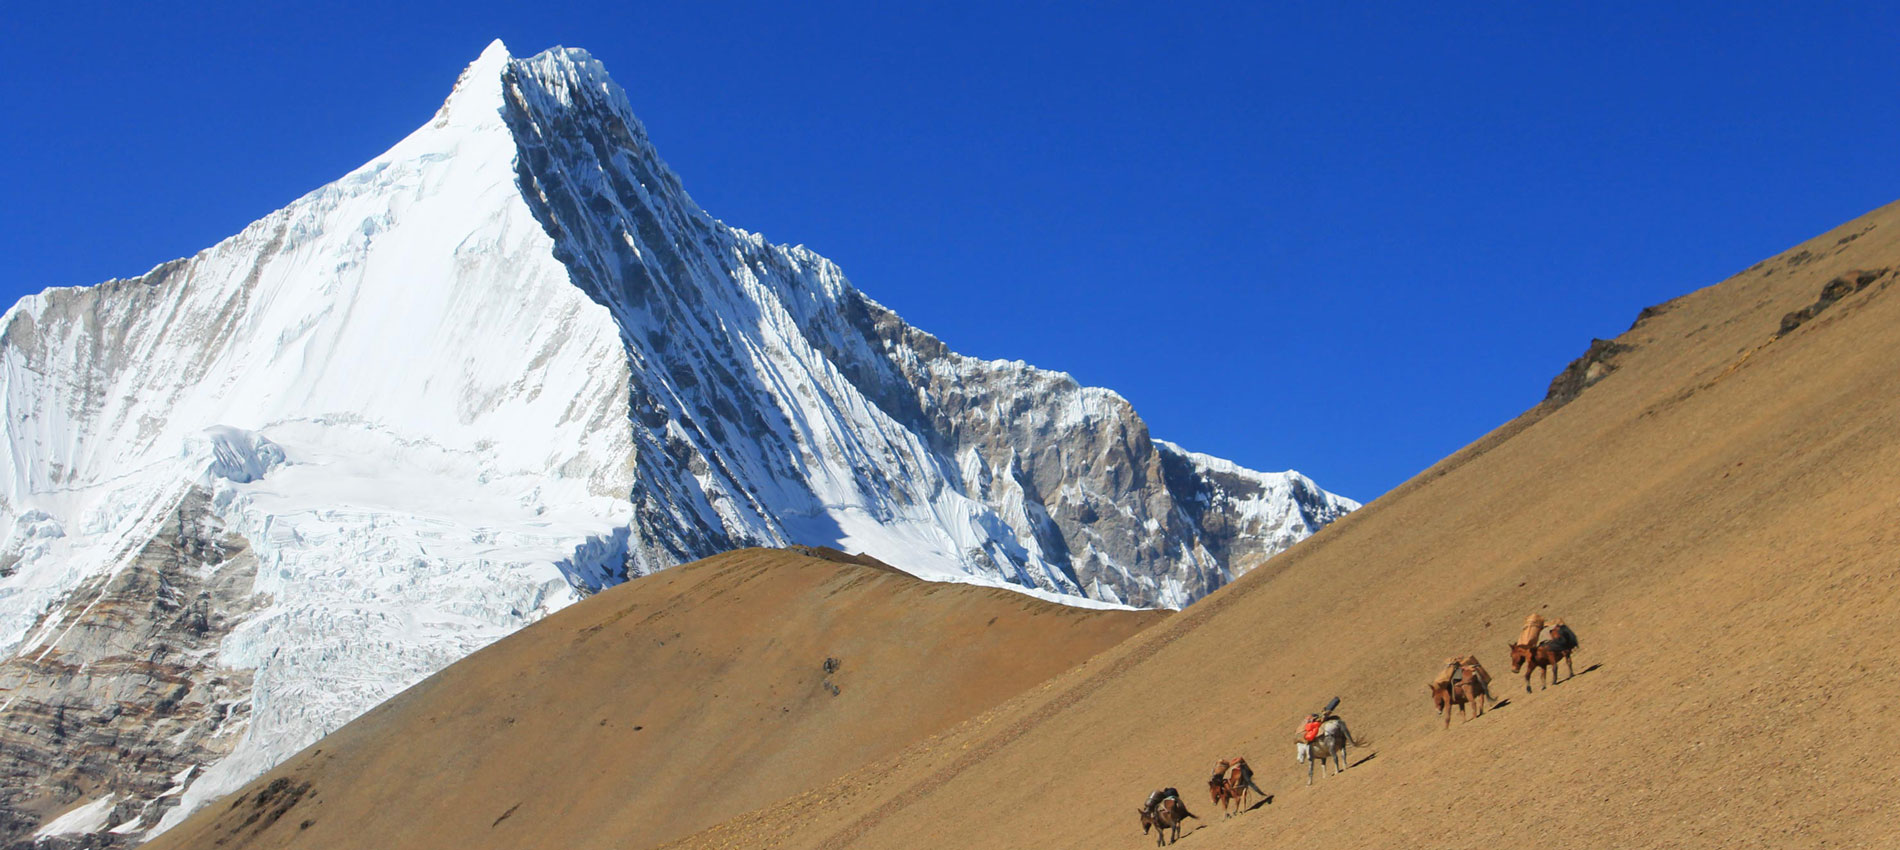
(503, 364)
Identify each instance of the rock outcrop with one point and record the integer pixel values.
(126, 699)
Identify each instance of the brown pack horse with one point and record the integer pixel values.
(1447, 693)
(1473, 688)
(1444, 696)
(1231, 782)
(1541, 658)
(1166, 817)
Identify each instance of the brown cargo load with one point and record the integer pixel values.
(1533, 629)
(1445, 675)
(1473, 662)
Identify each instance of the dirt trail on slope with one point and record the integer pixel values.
(663, 706)
(1716, 511)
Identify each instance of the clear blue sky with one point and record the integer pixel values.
(1347, 239)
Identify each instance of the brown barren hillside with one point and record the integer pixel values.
(1712, 499)
(1716, 510)
(662, 706)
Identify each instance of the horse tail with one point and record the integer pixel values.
(1349, 736)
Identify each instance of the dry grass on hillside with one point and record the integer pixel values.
(1718, 515)
(1712, 500)
(661, 707)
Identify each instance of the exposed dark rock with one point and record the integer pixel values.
(1106, 517)
(1836, 289)
(1595, 364)
(129, 695)
(1652, 311)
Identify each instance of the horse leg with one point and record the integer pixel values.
(1528, 669)
(1570, 669)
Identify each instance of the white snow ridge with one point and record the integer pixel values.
(502, 365)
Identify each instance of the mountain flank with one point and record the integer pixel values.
(1717, 516)
(663, 706)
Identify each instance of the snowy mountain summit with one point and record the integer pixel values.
(252, 493)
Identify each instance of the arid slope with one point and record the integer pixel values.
(1716, 509)
(662, 706)
(1719, 517)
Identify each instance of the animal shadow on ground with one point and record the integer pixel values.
(1266, 800)
(1369, 757)
(1589, 669)
(1499, 704)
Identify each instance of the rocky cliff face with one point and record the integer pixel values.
(502, 365)
(774, 402)
(129, 701)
